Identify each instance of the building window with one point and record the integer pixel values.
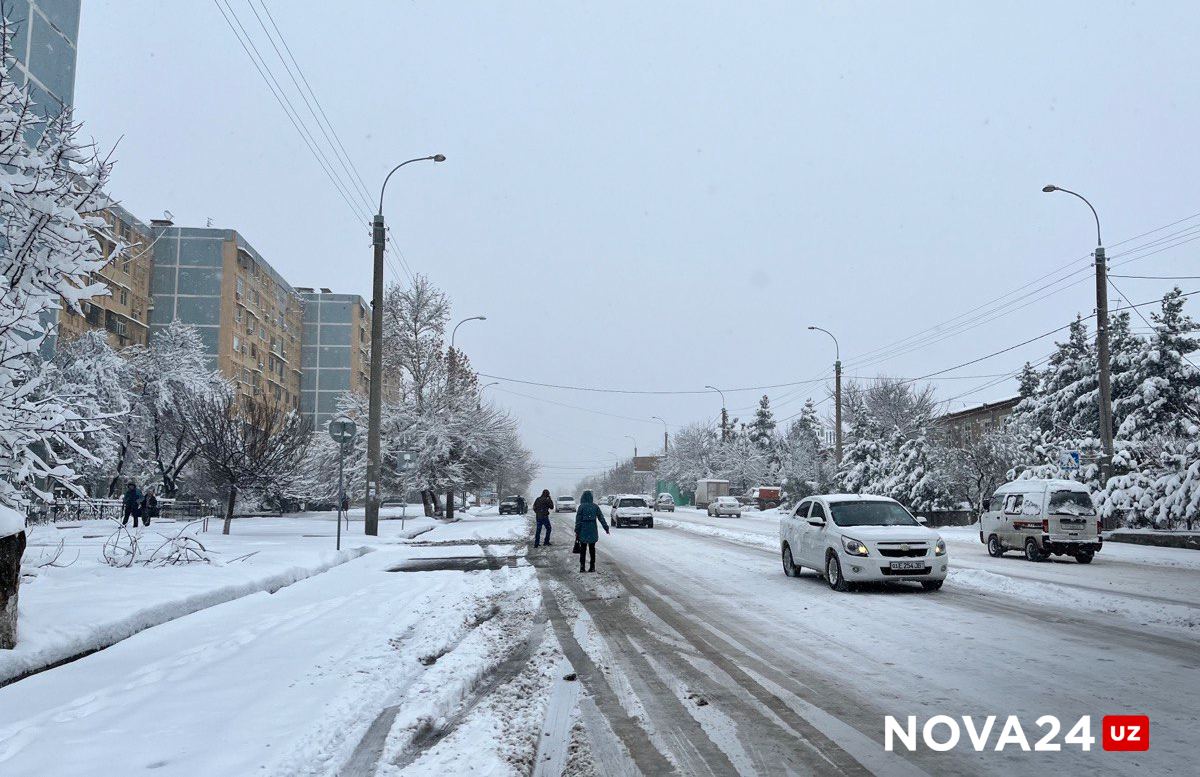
(238, 316)
(124, 297)
(241, 287)
(237, 344)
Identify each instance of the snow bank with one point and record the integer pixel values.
(11, 521)
(745, 537)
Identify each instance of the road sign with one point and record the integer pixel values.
(342, 430)
(1069, 459)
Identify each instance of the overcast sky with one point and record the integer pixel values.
(659, 196)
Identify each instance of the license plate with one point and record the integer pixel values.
(908, 565)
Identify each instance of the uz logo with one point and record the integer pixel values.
(1126, 732)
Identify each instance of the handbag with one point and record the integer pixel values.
(577, 548)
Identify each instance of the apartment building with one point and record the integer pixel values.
(125, 313)
(336, 351)
(249, 318)
(45, 33)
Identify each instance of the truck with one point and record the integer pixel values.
(708, 490)
(765, 497)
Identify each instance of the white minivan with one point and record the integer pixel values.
(854, 538)
(1041, 518)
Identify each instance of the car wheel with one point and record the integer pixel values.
(1085, 557)
(789, 565)
(833, 574)
(1032, 551)
(650, 525)
(932, 585)
(995, 549)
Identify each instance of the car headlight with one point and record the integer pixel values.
(940, 548)
(854, 547)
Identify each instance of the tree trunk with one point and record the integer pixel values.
(449, 504)
(425, 503)
(229, 509)
(11, 549)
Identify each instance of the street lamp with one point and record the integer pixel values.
(837, 395)
(724, 415)
(665, 440)
(1102, 354)
(454, 331)
(378, 241)
(631, 437)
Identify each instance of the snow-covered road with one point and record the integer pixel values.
(701, 657)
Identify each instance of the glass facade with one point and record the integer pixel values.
(45, 35)
(334, 352)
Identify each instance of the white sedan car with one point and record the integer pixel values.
(725, 505)
(564, 504)
(853, 538)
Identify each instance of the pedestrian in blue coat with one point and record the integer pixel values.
(586, 533)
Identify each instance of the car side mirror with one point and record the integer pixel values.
(816, 521)
(921, 519)
(987, 505)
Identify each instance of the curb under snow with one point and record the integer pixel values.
(16, 665)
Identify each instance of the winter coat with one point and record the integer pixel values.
(543, 505)
(586, 517)
(133, 497)
(521, 506)
(150, 506)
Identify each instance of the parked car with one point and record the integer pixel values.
(607, 500)
(510, 506)
(564, 504)
(665, 502)
(630, 510)
(725, 505)
(708, 490)
(1041, 518)
(855, 538)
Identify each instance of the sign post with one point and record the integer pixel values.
(342, 430)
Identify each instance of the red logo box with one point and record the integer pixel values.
(1126, 732)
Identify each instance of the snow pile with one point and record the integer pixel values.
(11, 521)
(745, 537)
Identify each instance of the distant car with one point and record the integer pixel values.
(853, 538)
(666, 503)
(1042, 518)
(564, 504)
(725, 505)
(607, 500)
(510, 506)
(630, 510)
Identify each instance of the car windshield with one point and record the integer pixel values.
(566, 499)
(871, 514)
(631, 503)
(1071, 503)
(726, 500)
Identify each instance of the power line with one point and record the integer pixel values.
(1159, 278)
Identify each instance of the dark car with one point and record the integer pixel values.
(510, 506)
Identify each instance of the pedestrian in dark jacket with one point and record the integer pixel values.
(522, 507)
(586, 533)
(131, 504)
(541, 508)
(149, 507)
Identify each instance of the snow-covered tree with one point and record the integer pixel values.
(762, 428)
(51, 193)
(693, 456)
(1164, 395)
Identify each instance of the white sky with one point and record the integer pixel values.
(664, 195)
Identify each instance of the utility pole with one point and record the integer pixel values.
(724, 414)
(375, 411)
(666, 438)
(837, 394)
(1102, 354)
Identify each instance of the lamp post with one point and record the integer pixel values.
(479, 404)
(837, 395)
(724, 414)
(631, 437)
(1102, 354)
(378, 241)
(665, 438)
(450, 381)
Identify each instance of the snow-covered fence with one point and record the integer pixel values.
(110, 509)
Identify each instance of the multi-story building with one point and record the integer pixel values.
(248, 316)
(336, 351)
(43, 43)
(966, 425)
(125, 312)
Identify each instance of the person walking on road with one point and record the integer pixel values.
(131, 504)
(522, 508)
(541, 508)
(585, 529)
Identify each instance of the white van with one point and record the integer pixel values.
(1041, 518)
